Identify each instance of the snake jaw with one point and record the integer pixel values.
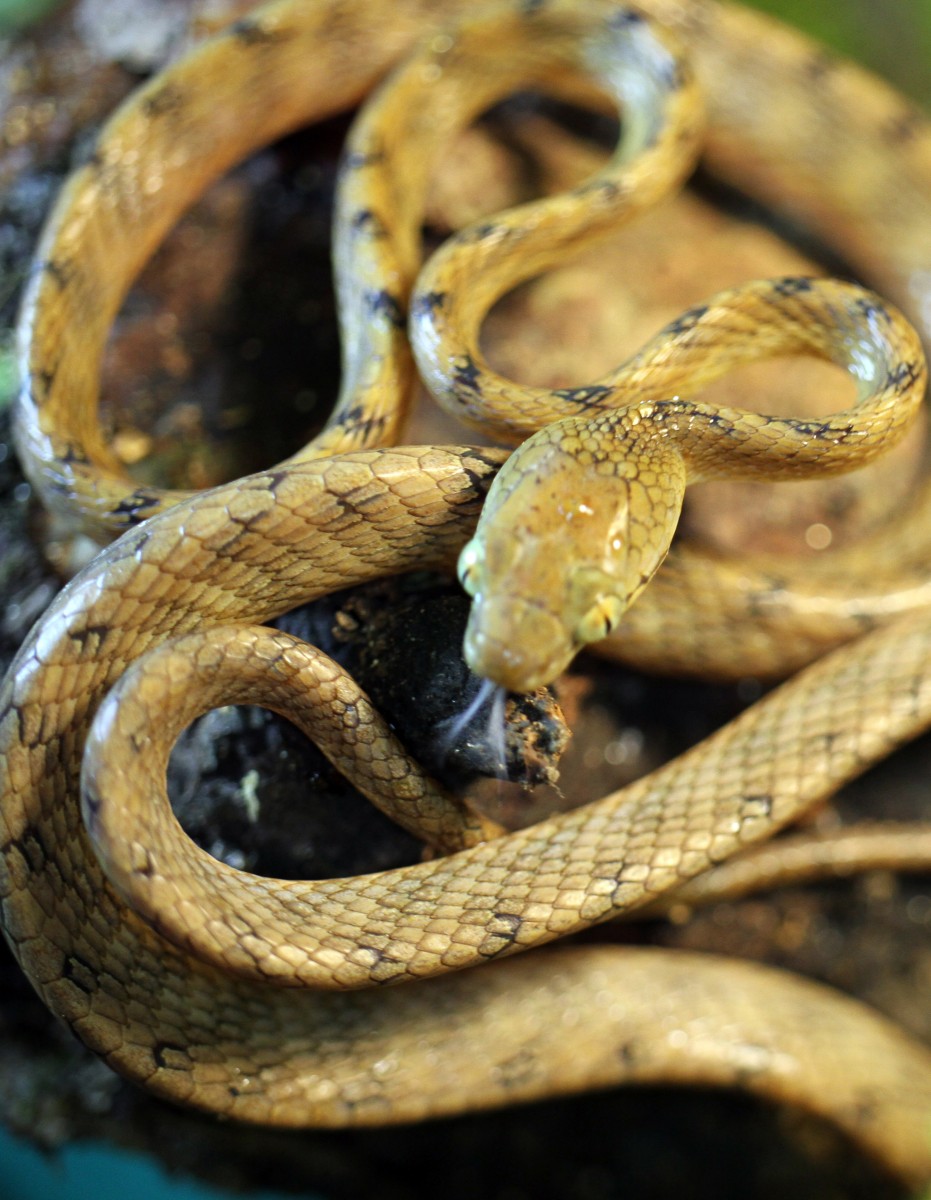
(505, 640)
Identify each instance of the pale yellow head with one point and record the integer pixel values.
(576, 523)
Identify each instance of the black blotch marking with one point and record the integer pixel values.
(529, 7)
(381, 957)
(73, 455)
(139, 543)
(385, 303)
(91, 802)
(673, 74)
(793, 285)
(32, 846)
(79, 972)
(871, 308)
(746, 1072)
(585, 397)
(466, 374)
(759, 603)
(916, 686)
(478, 233)
(106, 165)
(275, 480)
(167, 99)
(426, 304)
(624, 19)
(677, 75)
(823, 430)
(161, 1050)
(95, 633)
(814, 429)
(59, 269)
(761, 801)
(866, 1109)
(63, 487)
(630, 1053)
(366, 220)
(493, 464)
(46, 377)
(518, 1070)
(687, 320)
(16, 711)
(904, 126)
(479, 481)
(135, 507)
(148, 870)
(379, 954)
(355, 160)
(358, 418)
(902, 376)
(607, 188)
(253, 33)
(503, 930)
(352, 416)
(823, 741)
(820, 65)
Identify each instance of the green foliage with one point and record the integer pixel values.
(17, 14)
(894, 38)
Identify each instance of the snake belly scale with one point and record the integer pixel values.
(239, 994)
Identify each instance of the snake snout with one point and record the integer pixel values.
(516, 643)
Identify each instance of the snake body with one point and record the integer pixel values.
(238, 994)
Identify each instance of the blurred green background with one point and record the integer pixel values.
(891, 36)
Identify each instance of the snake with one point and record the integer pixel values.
(266, 1000)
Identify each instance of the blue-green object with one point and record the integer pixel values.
(94, 1171)
(7, 371)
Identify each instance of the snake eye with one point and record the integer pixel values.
(468, 567)
(600, 620)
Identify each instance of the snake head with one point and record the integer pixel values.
(573, 528)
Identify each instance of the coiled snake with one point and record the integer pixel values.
(239, 994)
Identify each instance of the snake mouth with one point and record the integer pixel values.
(518, 644)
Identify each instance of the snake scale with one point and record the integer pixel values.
(248, 996)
